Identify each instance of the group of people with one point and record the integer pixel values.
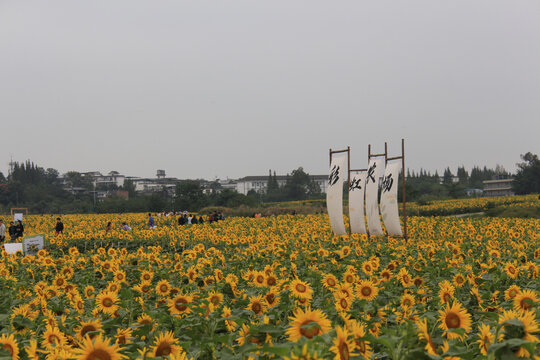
(15, 231)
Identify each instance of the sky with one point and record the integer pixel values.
(226, 89)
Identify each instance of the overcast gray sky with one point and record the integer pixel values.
(234, 88)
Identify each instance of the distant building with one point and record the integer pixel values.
(474, 192)
(259, 183)
(500, 187)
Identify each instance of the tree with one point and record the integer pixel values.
(527, 179)
(462, 175)
(189, 195)
(129, 186)
(447, 176)
(300, 186)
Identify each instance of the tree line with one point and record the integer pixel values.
(41, 191)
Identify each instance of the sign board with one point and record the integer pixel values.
(17, 216)
(32, 244)
(12, 248)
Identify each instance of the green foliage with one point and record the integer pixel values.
(527, 179)
(189, 195)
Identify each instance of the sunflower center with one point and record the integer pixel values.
(447, 297)
(344, 351)
(452, 321)
(86, 329)
(361, 346)
(256, 307)
(271, 281)
(163, 288)
(107, 302)
(309, 329)
(9, 348)
(331, 282)
(163, 349)
(366, 291)
(526, 303)
(215, 300)
(300, 288)
(270, 298)
(343, 303)
(179, 304)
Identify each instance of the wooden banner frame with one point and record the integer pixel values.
(386, 160)
(348, 151)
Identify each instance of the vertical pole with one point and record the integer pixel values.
(349, 179)
(369, 152)
(385, 153)
(330, 153)
(403, 180)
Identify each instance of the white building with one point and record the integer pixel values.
(259, 183)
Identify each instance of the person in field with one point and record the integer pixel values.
(2, 231)
(59, 227)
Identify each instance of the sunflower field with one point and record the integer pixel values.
(272, 288)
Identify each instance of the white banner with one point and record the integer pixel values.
(334, 195)
(372, 194)
(356, 203)
(12, 248)
(389, 203)
(33, 244)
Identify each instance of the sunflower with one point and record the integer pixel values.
(271, 280)
(144, 287)
(98, 349)
(524, 332)
(358, 333)
(511, 292)
(345, 289)
(511, 270)
(247, 337)
(166, 345)
(423, 334)
(309, 323)
(300, 289)
(386, 275)
(147, 276)
(407, 301)
(342, 347)
(120, 276)
(343, 303)
(256, 304)
(446, 292)
(302, 354)
(486, 338)
(226, 313)
(123, 336)
(178, 306)
(525, 300)
(454, 317)
(215, 299)
(86, 327)
(106, 302)
(145, 319)
(272, 298)
(367, 268)
(329, 281)
(32, 350)
(163, 288)
(404, 277)
(349, 277)
(10, 344)
(459, 280)
(53, 337)
(366, 290)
